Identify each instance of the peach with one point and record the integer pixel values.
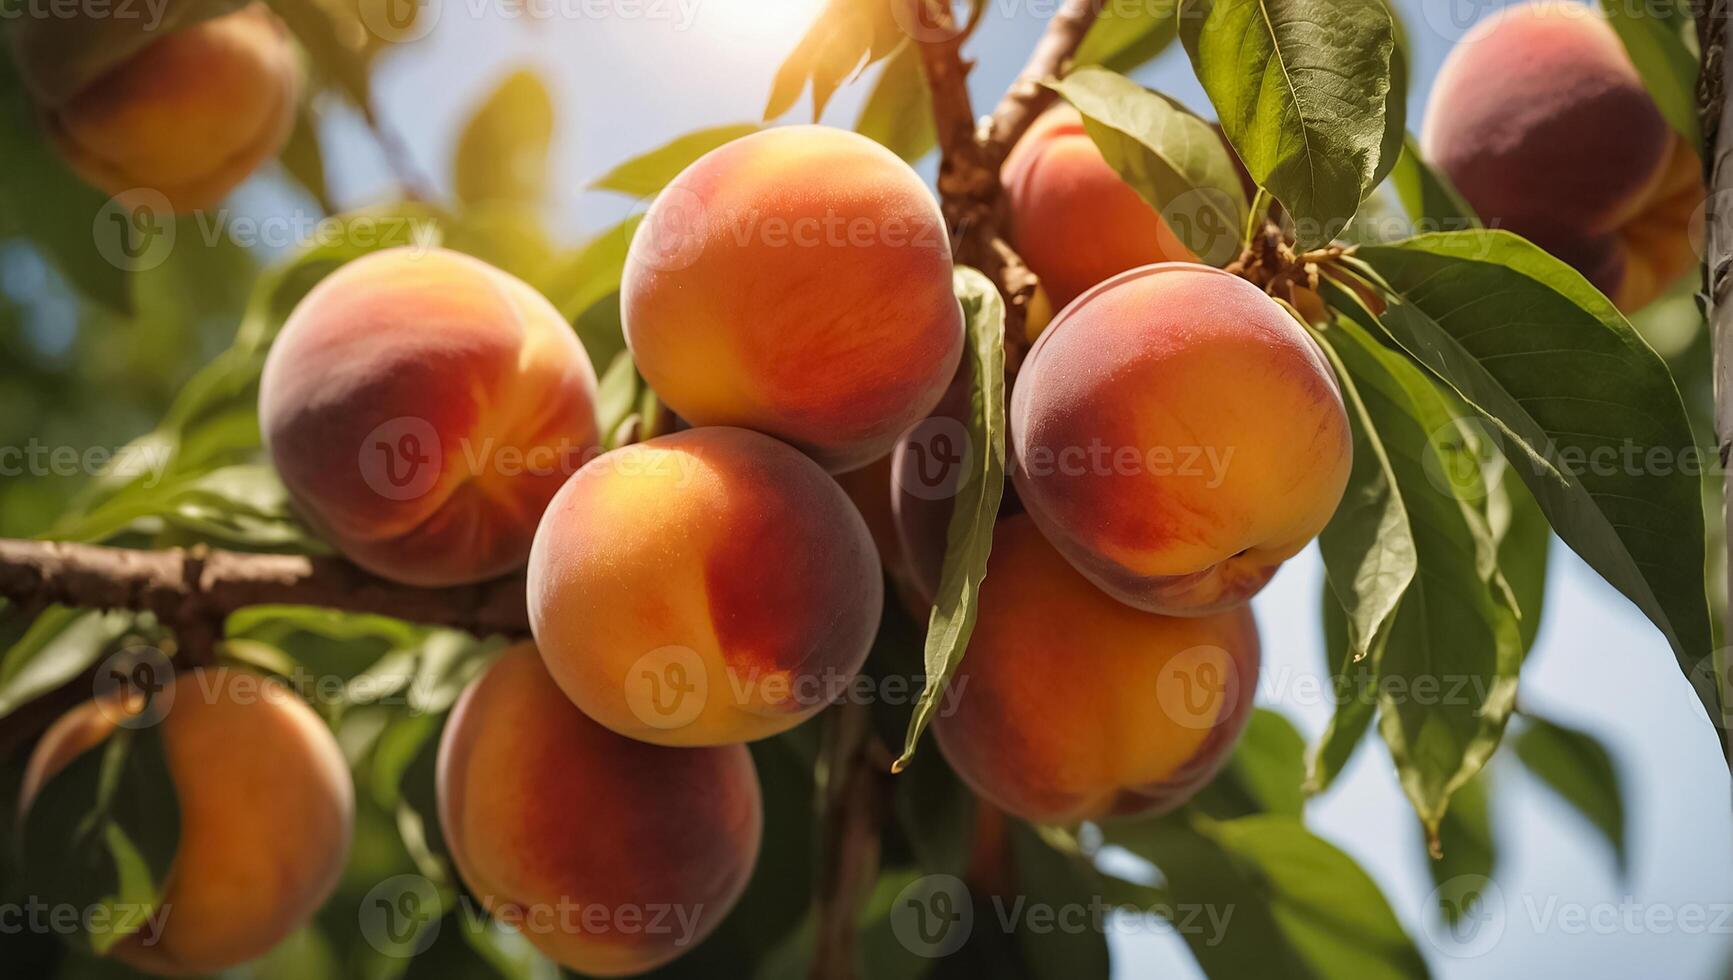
(1069, 706)
(1541, 121)
(423, 407)
(188, 115)
(705, 587)
(1177, 435)
(1073, 220)
(266, 810)
(796, 281)
(610, 856)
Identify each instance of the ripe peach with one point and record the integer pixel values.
(1177, 436)
(266, 808)
(1070, 706)
(611, 856)
(1073, 220)
(797, 282)
(701, 588)
(1545, 127)
(423, 407)
(188, 115)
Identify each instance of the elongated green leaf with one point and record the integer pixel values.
(1125, 36)
(502, 153)
(1578, 768)
(970, 537)
(1354, 687)
(1173, 159)
(899, 112)
(847, 37)
(1303, 90)
(1466, 848)
(1427, 196)
(1275, 900)
(60, 644)
(1662, 40)
(1264, 774)
(646, 174)
(1524, 540)
(1587, 414)
(1447, 671)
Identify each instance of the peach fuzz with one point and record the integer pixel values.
(1177, 435)
(423, 407)
(266, 810)
(552, 819)
(1070, 706)
(705, 587)
(796, 281)
(188, 115)
(1541, 121)
(1073, 220)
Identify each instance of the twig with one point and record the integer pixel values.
(855, 801)
(1028, 97)
(193, 589)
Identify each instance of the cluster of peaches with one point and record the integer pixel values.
(1175, 433)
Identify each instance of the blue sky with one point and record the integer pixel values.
(624, 85)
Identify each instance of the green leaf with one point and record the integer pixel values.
(1466, 847)
(899, 111)
(60, 644)
(1524, 540)
(502, 153)
(1126, 36)
(1173, 159)
(1427, 195)
(1447, 669)
(1368, 546)
(1355, 690)
(1265, 772)
(646, 174)
(846, 38)
(101, 835)
(1562, 382)
(336, 43)
(1578, 768)
(1303, 90)
(1064, 882)
(304, 159)
(589, 276)
(970, 536)
(1276, 901)
(1661, 38)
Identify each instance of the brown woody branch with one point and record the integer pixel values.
(203, 586)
